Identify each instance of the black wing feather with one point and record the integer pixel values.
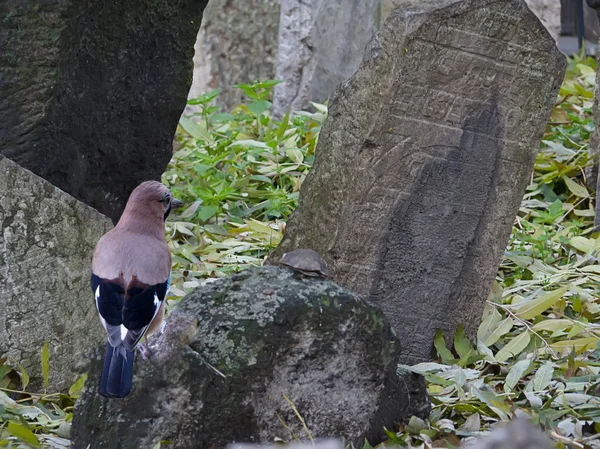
(109, 299)
(134, 308)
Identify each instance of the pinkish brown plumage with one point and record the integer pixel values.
(130, 278)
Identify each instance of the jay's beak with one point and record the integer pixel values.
(176, 204)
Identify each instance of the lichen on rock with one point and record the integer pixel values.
(238, 352)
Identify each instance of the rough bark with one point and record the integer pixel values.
(46, 242)
(423, 161)
(270, 332)
(237, 43)
(91, 91)
(321, 44)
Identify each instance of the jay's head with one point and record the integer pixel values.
(153, 198)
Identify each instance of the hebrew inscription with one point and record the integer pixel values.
(424, 159)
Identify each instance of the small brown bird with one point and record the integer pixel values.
(131, 271)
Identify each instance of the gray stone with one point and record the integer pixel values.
(91, 91)
(518, 433)
(46, 243)
(591, 171)
(270, 332)
(422, 163)
(237, 43)
(326, 444)
(321, 44)
(548, 11)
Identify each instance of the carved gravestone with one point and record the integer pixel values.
(237, 43)
(46, 243)
(424, 158)
(321, 44)
(91, 91)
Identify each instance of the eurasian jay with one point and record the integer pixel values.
(131, 271)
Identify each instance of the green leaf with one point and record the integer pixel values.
(503, 328)
(207, 212)
(494, 402)
(190, 211)
(576, 189)
(583, 244)
(394, 438)
(462, 345)
(195, 129)
(514, 347)
(515, 374)
(552, 325)
(268, 83)
(23, 433)
(77, 387)
(367, 445)
(24, 376)
(489, 323)
(543, 376)
(295, 155)
(319, 107)
(283, 126)
(259, 106)
(442, 350)
(46, 365)
(577, 344)
(249, 143)
(4, 370)
(535, 307)
(205, 98)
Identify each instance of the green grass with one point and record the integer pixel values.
(537, 347)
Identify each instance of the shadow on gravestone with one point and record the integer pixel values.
(91, 91)
(423, 161)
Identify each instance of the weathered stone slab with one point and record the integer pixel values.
(591, 172)
(327, 444)
(321, 44)
(91, 91)
(519, 433)
(270, 332)
(46, 243)
(424, 159)
(237, 43)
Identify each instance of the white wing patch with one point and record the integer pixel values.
(97, 295)
(115, 334)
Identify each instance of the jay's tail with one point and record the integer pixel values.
(117, 374)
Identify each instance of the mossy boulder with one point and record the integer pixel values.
(278, 338)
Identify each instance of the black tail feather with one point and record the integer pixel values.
(117, 374)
